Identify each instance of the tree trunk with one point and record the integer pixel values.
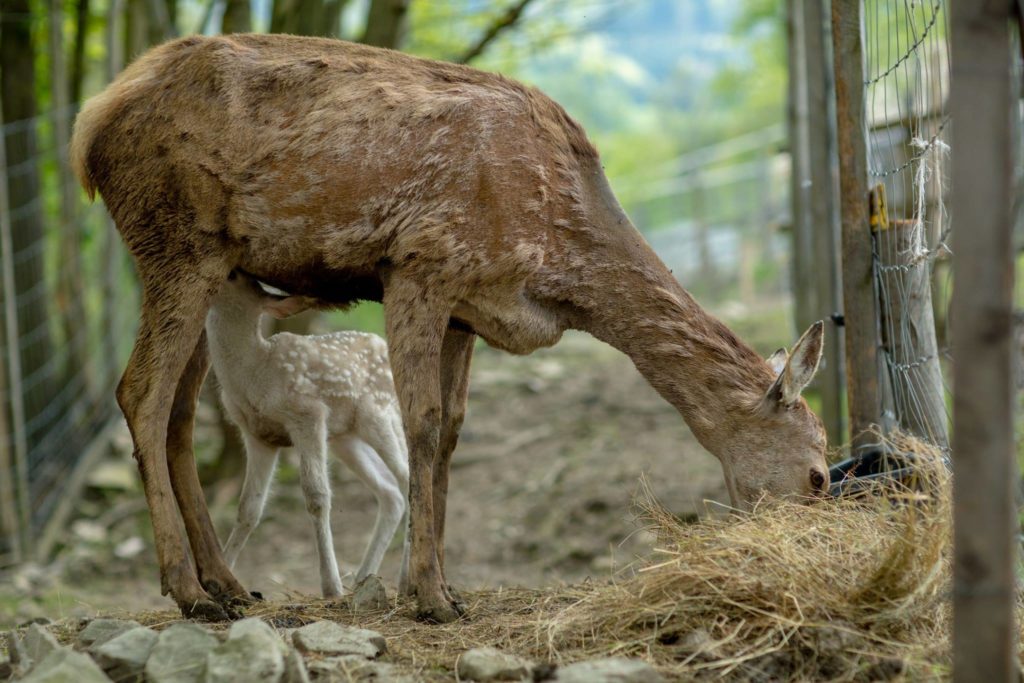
(284, 17)
(136, 29)
(385, 23)
(237, 17)
(78, 54)
(70, 285)
(18, 88)
(332, 17)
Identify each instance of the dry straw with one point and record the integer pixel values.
(853, 589)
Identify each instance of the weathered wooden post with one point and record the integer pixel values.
(19, 440)
(984, 636)
(824, 210)
(908, 323)
(860, 327)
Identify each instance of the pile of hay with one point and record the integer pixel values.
(847, 589)
(841, 590)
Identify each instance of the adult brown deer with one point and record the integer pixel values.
(467, 203)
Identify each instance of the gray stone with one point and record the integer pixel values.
(64, 665)
(294, 668)
(610, 670)
(491, 664)
(16, 651)
(329, 638)
(258, 628)
(39, 642)
(179, 655)
(124, 657)
(99, 631)
(355, 669)
(370, 595)
(248, 657)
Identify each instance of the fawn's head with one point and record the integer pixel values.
(242, 291)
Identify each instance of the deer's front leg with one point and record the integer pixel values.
(456, 355)
(415, 327)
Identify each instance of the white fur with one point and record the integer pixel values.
(324, 392)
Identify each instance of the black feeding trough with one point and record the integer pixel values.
(859, 474)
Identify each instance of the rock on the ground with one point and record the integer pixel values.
(370, 594)
(491, 664)
(355, 669)
(256, 627)
(609, 670)
(179, 655)
(124, 657)
(39, 642)
(64, 665)
(331, 639)
(99, 631)
(16, 650)
(252, 652)
(294, 668)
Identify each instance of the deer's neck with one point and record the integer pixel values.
(694, 361)
(237, 345)
(629, 299)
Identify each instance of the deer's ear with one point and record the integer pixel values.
(777, 361)
(800, 367)
(289, 306)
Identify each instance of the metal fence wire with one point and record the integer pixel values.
(68, 298)
(906, 90)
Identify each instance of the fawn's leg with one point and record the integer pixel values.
(370, 468)
(415, 327)
(260, 462)
(175, 298)
(214, 574)
(456, 355)
(311, 444)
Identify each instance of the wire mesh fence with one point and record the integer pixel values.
(905, 93)
(68, 298)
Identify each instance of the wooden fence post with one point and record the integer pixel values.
(823, 210)
(8, 476)
(908, 327)
(804, 290)
(15, 392)
(984, 636)
(861, 322)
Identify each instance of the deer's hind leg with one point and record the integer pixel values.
(214, 574)
(176, 293)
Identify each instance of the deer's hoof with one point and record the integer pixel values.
(207, 610)
(231, 598)
(443, 613)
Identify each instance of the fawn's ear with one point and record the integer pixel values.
(289, 306)
(777, 361)
(800, 367)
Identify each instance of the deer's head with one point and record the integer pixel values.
(778, 448)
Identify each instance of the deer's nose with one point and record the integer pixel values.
(819, 481)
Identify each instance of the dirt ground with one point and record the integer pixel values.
(552, 452)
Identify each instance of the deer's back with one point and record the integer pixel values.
(322, 157)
